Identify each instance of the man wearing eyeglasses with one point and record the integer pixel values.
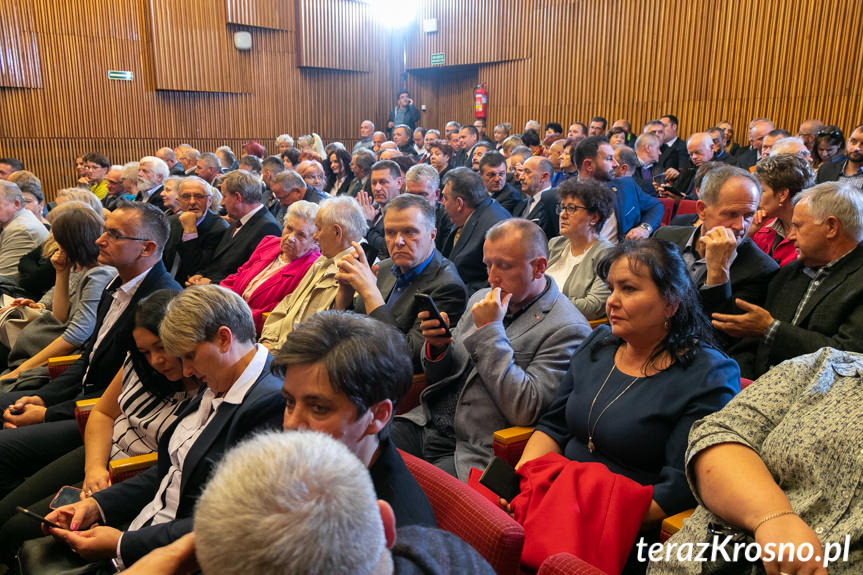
(38, 429)
(849, 171)
(195, 231)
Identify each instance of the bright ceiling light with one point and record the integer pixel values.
(394, 13)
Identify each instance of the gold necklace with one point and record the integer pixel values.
(590, 446)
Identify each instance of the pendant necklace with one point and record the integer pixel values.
(590, 446)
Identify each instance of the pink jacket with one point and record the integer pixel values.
(276, 287)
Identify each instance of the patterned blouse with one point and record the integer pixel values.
(805, 419)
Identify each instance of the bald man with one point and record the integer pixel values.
(758, 128)
(700, 149)
(168, 156)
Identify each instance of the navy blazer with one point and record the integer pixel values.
(467, 252)
(61, 392)
(509, 197)
(234, 251)
(262, 408)
(633, 207)
(543, 214)
(195, 252)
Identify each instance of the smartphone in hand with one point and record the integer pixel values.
(501, 478)
(426, 303)
(37, 517)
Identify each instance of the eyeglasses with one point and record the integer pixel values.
(570, 210)
(114, 235)
(835, 133)
(188, 197)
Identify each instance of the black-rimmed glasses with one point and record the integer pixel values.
(570, 210)
(115, 235)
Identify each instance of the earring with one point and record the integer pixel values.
(667, 323)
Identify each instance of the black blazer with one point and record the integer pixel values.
(509, 197)
(262, 408)
(233, 251)
(439, 279)
(684, 184)
(646, 184)
(746, 157)
(674, 156)
(178, 170)
(313, 195)
(154, 199)
(830, 172)
(442, 223)
(544, 214)
(376, 241)
(833, 316)
(467, 252)
(61, 392)
(195, 252)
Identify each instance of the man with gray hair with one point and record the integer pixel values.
(424, 181)
(472, 213)
(505, 358)
(792, 145)
(208, 167)
(152, 173)
(367, 128)
(758, 129)
(362, 161)
(815, 301)
(722, 259)
(699, 147)
(340, 224)
(414, 266)
(22, 231)
(168, 156)
(251, 222)
(188, 157)
(287, 187)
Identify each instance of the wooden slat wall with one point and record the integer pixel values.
(336, 34)
(19, 54)
(276, 14)
(78, 109)
(446, 94)
(703, 61)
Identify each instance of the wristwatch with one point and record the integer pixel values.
(647, 227)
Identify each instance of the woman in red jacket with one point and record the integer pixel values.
(278, 264)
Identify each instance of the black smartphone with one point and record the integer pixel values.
(37, 517)
(66, 496)
(501, 478)
(426, 303)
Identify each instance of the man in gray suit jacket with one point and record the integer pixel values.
(22, 232)
(414, 266)
(504, 361)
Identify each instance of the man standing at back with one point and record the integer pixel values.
(404, 112)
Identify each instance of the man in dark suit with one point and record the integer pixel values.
(41, 427)
(168, 156)
(851, 169)
(361, 165)
(152, 173)
(815, 301)
(251, 222)
(674, 154)
(539, 203)
(387, 182)
(636, 215)
(468, 136)
(758, 128)
(720, 154)
(724, 263)
(195, 232)
(492, 169)
(242, 398)
(472, 213)
(424, 181)
(647, 151)
(414, 266)
(700, 149)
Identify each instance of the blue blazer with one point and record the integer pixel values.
(633, 207)
(262, 408)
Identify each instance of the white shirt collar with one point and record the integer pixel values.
(245, 219)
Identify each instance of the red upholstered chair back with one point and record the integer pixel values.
(567, 564)
(668, 204)
(464, 512)
(686, 207)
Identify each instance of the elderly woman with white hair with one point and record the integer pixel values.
(278, 263)
(210, 328)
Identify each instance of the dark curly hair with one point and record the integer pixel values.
(689, 327)
(148, 315)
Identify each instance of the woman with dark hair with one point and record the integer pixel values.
(338, 171)
(70, 306)
(291, 157)
(829, 146)
(440, 158)
(633, 390)
(617, 137)
(584, 206)
(141, 402)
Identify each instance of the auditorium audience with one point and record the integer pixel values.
(414, 266)
(720, 154)
(208, 167)
(477, 152)
(467, 138)
(152, 173)
(278, 264)
(699, 149)
(504, 361)
(168, 156)
(584, 206)
(771, 138)
(673, 156)
(9, 166)
(792, 145)
(313, 174)
(782, 177)
(169, 195)
(647, 150)
(96, 166)
(31, 190)
(287, 188)
(816, 301)
(340, 223)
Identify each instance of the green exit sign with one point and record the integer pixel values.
(124, 75)
(438, 58)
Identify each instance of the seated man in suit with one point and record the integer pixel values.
(816, 301)
(539, 199)
(423, 180)
(152, 173)
(168, 156)
(287, 187)
(504, 361)
(22, 231)
(211, 329)
(492, 169)
(195, 231)
(758, 128)
(329, 520)
(414, 266)
(724, 263)
(472, 213)
(41, 427)
(360, 369)
(208, 167)
(700, 150)
(340, 223)
(647, 151)
(851, 169)
(241, 197)
(271, 166)
(720, 154)
(361, 165)
(387, 182)
(674, 155)
(636, 215)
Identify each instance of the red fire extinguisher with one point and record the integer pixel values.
(480, 97)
